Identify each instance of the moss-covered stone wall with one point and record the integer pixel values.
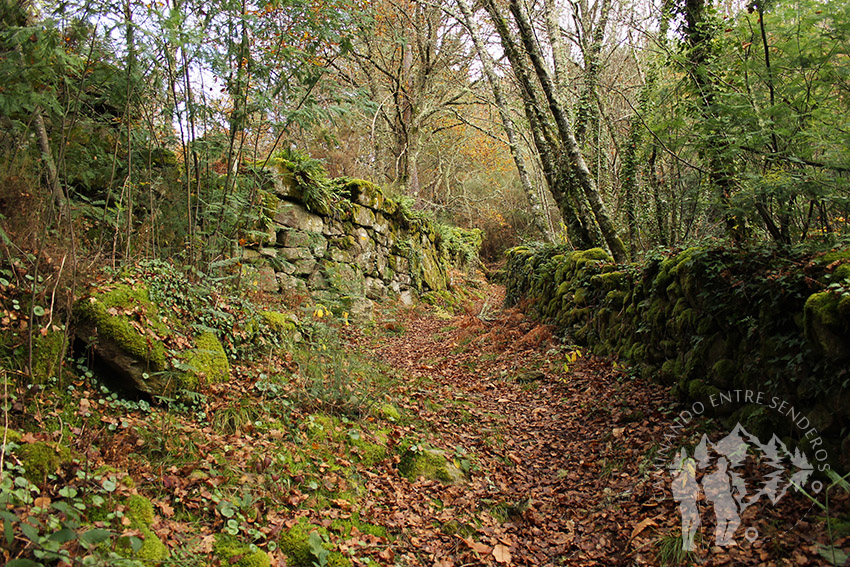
(706, 320)
(359, 243)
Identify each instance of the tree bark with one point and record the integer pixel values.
(56, 192)
(582, 173)
(538, 215)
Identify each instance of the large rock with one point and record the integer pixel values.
(293, 215)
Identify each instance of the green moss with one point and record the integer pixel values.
(12, 436)
(343, 526)
(609, 281)
(233, 552)
(337, 559)
(582, 257)
(834, 256)
(699, 390)
(41, 459)
(390, 412)
(112, 312)
(430, 464)
(47, 353)
(152, 550)
(270, 202)
(823, 308)
(756, 419)
(208, 360)
(370, 453)
(615, 299)
(323, 425)
(824, 325)
(140, 511)
(841, 273)
(454, 527)
(723, 372)
(295, 544)
(280, 322)
(580, 297)
(670, 371)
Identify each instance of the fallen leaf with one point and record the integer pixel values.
(642, 525)
(501, 554)
(475, 546)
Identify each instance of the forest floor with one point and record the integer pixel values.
(299, 458)
(566, 447)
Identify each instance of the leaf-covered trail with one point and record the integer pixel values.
(563, 470)
(560, 454)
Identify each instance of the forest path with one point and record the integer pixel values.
(561, 458)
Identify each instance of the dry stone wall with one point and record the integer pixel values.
(712, 320)
(362, 245)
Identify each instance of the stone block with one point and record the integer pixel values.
(291, 284)
(304, 267)
(295, 254)
(293, 215)
(363, 216)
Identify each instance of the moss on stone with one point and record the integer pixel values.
(231, 551)
(670, 371)
(609, 281)
(140, 512)
(295, 543)
(207, 360)
(47, 351)
(280, 322)
(112, 311)
(41, 459)
(430, 464)
(724, 372)
(824, 325)
(615, 299)
(580, 296)
(699, 390)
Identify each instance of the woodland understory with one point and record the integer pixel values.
(401, 282)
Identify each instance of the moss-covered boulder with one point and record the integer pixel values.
(825, 326)
(123, 334)
(231, 551)
(39, 459)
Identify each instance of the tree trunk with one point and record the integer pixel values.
(555, 169)
(56, 192)
(578, 165)
(538, 215)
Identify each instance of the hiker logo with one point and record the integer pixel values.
(738, 471)
(724, 486)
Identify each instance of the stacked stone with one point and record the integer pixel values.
(364, 248)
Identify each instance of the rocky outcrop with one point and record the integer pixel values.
(358, 244)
